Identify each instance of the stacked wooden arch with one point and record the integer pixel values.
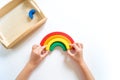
(55, 39)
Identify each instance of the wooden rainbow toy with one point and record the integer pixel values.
(55, 39)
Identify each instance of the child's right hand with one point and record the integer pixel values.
(76, 53)
(38, 53)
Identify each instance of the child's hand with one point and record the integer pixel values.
(76, 53)
(38, 53)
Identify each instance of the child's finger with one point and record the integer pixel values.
(75, 46)
(45, 54)
(34, 46)
(78, 45)
(69, 53)
(81, 45)
(41, 49)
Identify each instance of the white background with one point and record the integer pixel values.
(95, 23)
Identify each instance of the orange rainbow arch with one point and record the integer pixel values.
(55, 39)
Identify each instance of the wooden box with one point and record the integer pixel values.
(15, 23)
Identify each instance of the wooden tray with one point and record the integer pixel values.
(15, 23)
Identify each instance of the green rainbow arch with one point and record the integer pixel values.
(57, 43)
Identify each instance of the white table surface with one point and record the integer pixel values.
(95, 23)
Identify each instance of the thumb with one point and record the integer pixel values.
(41, 48)
(69, 53)
(45, 54)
